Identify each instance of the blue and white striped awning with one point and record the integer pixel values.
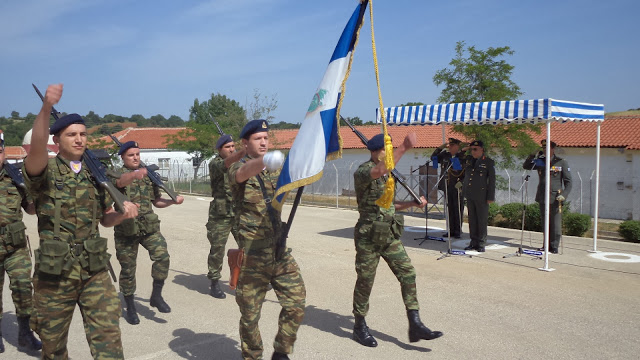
(494, 113)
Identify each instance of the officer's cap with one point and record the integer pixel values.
(254, 126)
(376, 143)
(128, 145)
(543, 142)
(478, 143)
(226, 138)
(454, 141)
(65, 121)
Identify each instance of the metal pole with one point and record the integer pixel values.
(595, 210)
(337, 185)
(580, 177)
(547, 208)
(509, 188)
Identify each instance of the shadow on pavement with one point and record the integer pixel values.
(341, 326)
(198, 282)
(143, 311)
(190, 345)
(10, 334)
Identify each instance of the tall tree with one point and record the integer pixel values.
(262, 106)
(478, 75)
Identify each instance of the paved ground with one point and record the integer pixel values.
(488, 307)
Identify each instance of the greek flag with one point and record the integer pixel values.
(319, 139)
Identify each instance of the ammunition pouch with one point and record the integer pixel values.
(221, 208)
(148, 224)
(96, 256)
(128, 227)
(380, 232)
(15, 235)
(397, 226)
(52, 257)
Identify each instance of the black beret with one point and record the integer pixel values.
(254, 126)
(477, 143)
(376, 143)
(543, 142)
(65, 121)
(454, 141)
(126, 146)
(226, 138)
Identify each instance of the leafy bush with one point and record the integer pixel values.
(630, 230)
(576, 224)
(511, 215)
(532, 218)
(494, 209)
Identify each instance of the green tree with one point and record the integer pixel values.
(478, 75)
(15, 115)
(262, 106)
(413, 103)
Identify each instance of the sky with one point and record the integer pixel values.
(128, 57)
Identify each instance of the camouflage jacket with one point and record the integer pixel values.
(82, 203)
(11, 200)
(254, 225)
(141, 192)
(220, 189)
(369, 190)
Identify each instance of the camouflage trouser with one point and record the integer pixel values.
(367, 259)
(258, 270)
(218, 229)
(17, 264)
(55, 300)
(127, 253)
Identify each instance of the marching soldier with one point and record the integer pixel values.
(143, 230)
(14, 254)
(221, 214)
(560, 189)
(452, 162)
(479, 190)
(377, 234)
(71, 263)
(259, 226)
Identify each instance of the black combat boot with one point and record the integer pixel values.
(25, 335)
(361, 333)
(130, 314)
(215, 291)
(279, 356)
(417, 330)
(156, 297)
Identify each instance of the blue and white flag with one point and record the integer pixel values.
(319, 139)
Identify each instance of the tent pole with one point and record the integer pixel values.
(595, 210)
(547, 190)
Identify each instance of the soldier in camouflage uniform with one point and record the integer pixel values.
(257, 234)
(14, 254)
(71, 263)
(377, 234)
(143, 230)
(221, 214)
(479, 189)
(560, 188)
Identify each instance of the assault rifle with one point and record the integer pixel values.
(152, 174)
(15, 175)
(97, 169)
(217, 125)
(396, 175)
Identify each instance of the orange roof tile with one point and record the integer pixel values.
(15, 152)
(147, 138)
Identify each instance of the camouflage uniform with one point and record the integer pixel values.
(14, 255)
(377, 234)
(143, 230)
(221, 217)
(71, 263)
(260, 268)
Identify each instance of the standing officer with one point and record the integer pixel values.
(480, 191)
(560, 189)
(259, 226)
(143, 230)
(14, 254)
(221, 214)
(377, 234)
(71, 263)
(453, 162)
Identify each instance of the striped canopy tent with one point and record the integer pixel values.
(504, 113)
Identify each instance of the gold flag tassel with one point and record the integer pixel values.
(386, 200)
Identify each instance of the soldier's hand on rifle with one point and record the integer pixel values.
(52, 95)
(560, 198)
(179, 200)
(130, 210)
(140, 173)
(423, 202)
(410, 140)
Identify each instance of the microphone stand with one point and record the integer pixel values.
(450, 252)
(525, 195)
(426, 211)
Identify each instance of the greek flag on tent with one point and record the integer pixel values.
(319, 139)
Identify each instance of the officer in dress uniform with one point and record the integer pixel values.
(479, 189)
(560, 188)
(452, 162)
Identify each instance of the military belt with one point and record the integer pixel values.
(77, 249)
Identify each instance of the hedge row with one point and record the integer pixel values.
(510, 216)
